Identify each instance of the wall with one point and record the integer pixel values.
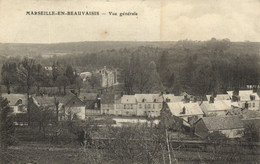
(252, 105)
(149, 109)
(232, 133)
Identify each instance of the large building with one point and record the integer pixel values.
(108, 77)
(148, 105)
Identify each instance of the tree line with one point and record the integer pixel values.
(196, 67)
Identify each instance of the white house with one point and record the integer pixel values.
(246, 99)
(185, 110)
(217, 108)
(18, 102)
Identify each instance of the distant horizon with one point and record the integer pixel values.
(124, 41)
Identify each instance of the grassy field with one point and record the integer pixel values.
(44, 153)
(32, 147)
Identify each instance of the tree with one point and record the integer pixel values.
(62, 81)
(26, 70)
(9, 74)
(94, 81)
(78, 84)
(70, 75)
(6, 123)
(44, 116)
(39, 77)
(252, 132)
(129, 76)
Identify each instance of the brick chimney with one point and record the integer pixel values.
(211, 100)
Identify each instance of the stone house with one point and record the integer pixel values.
(126, 106)
(71, 107)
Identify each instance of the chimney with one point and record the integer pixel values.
(183, 110)
(211, 99)
(252, 97)
(186, 99)
(246, 105)
(236, 92)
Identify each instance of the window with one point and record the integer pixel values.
(253, 104)
(124, 106)
(131, 106)
(149, 106)
(154, 100)
(153, 106)
(160, 105)
(143, 100)
(140, 106)
(145, 106)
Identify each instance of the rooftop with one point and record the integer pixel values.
(190, 108)
(222, 123)
(44, 100)
(13, 98)
(128, 99)
(219, 97)
(218, 105)
(245, 95)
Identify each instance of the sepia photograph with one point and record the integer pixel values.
(129, 82)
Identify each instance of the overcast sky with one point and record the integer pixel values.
(157, 20)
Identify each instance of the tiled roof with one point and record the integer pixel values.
(88, 96)
(190, 108)
(149, 97)
(222, 123)
(128, 99)
(44, 100)
(219, 97)
(13, 98)
(177, 99)
(217, 105)
(107, 98)
(65, 99)
(248, 114)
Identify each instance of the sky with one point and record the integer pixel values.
(157, 20)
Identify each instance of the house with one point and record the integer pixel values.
(231, 127)
(149, 104)
(42, 103)
(18, 102)
(246, 99)
(217, 108)
(108, 103)
(108, 77)
(71, 107)
(126, 106)
(185, 110)
(92, 102)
